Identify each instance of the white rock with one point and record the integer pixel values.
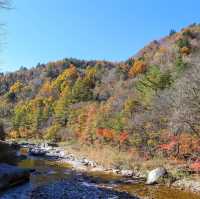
(97, 169)
(62, 154)
(126, 173)
(115, 171)
(155, 174)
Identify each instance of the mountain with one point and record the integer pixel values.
(149, 103)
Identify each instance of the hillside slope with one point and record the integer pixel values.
(149, 103)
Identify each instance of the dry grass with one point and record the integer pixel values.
(111, 157)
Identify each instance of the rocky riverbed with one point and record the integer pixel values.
(62, 175)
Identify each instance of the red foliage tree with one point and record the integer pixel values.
(123, 136)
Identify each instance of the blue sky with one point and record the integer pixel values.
(45, 30)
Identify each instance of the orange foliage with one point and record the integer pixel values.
(46, 90)
(106, 133)
(138, 67)
(162, 49)
(123, 136)
(185, 50)
(195, 166)
(13, 134)
(169, 146)
(171, 141)
(196, 145)
(84, 123)
(187, 143)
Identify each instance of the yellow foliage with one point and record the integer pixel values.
(138, 67)
(16, 87)
(90, 72)
(24, 133)
(130, 105)
(51, 132)
(162, 50)
(46, 89)
(67, 77)
(66, 91)
(14, 134)
(185, 50)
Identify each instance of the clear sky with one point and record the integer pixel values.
(45, 30)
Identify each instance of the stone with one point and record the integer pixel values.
(155, 174)
(126, 173)
(37, 152)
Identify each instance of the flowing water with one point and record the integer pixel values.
(48, 171)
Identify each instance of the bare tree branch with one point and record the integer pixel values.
(5, 4)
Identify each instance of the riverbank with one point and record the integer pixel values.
(80, 160)
(109, 160)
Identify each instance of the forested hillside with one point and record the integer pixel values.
(148, 104)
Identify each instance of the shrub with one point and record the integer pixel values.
(183, 43)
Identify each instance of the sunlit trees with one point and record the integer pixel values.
(139, 66)
(127, 105)
(52, 133)
(16, 87)
(153, 81)
(81, 90)
(66, 78)
(14, 91)
(32, 115)
(61, 110)
(47, 90)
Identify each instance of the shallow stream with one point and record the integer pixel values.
(48, 171)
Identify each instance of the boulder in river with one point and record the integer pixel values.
(12, 175)
(37, 152)
(155, 175)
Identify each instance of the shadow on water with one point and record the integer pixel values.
(7, 154)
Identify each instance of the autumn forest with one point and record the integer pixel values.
(148, 105)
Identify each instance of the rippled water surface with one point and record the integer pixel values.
(46, 171)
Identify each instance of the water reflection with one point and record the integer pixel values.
(47, 171)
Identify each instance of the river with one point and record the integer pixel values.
(49, 171)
